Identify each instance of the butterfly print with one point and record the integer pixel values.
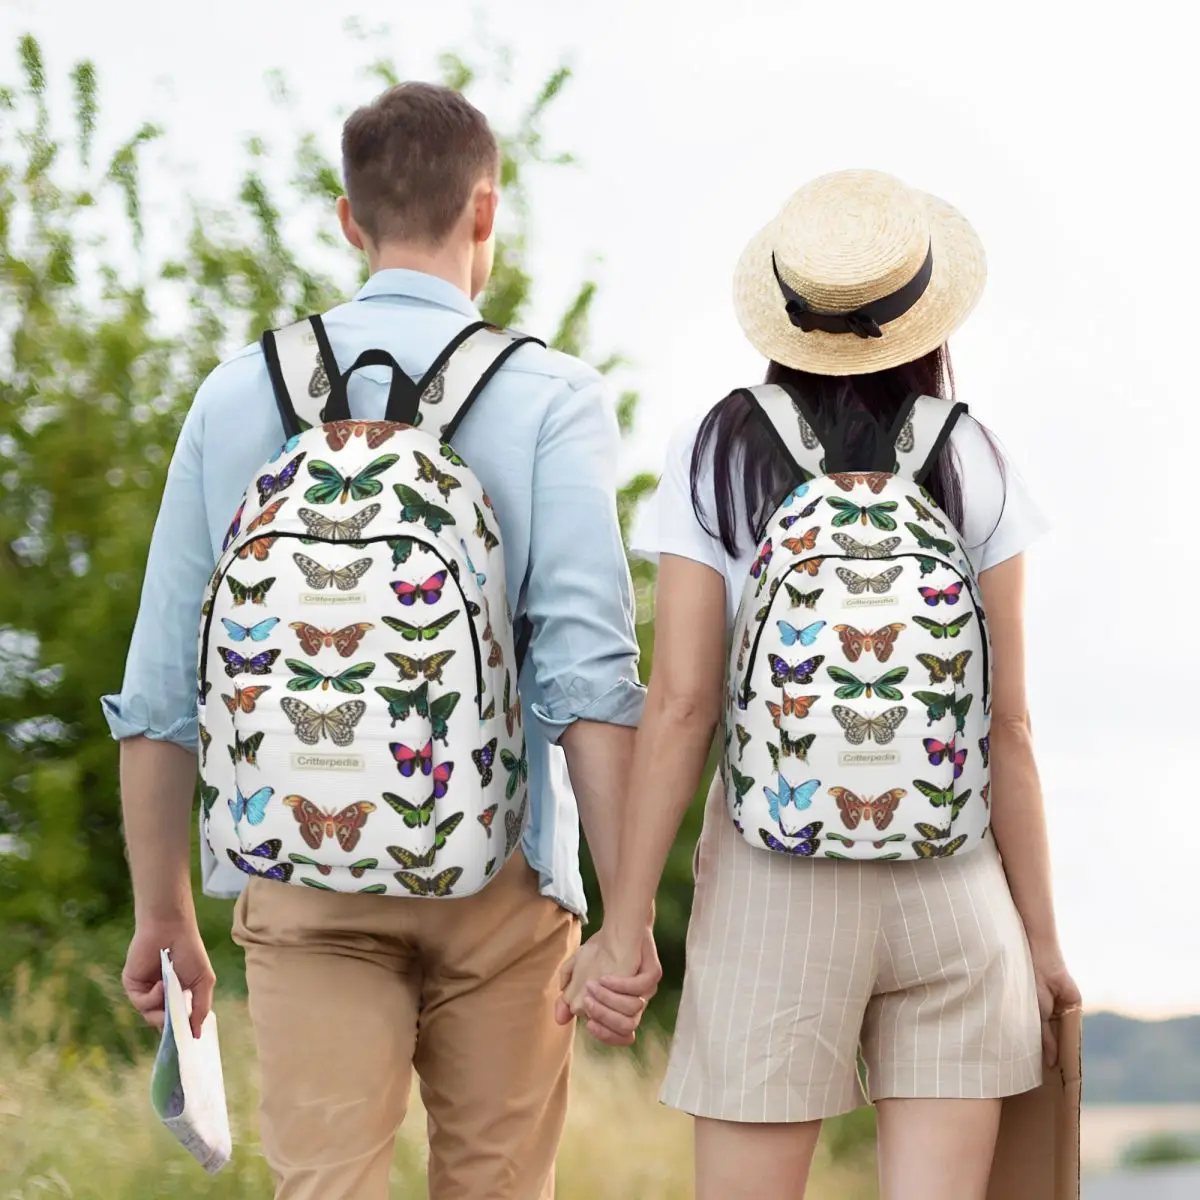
(790, 635)
(879, 515)
(440, 711)
(401, 549)
(441, 884)
(857, 584)
(401, 703)
(852, 687)
(375, 433)
(489, 539)
(256, 633)
(744, 647)
(483, 758)
(931, 832)
(810, 566)
(410, 761)
(927, 541)
(406, 858)
(208, 798)
(806, 847)
(421, 633)
(245, 751)
(794, 495)
(205, 742)
(286, 448)
(857, 642)
(428, 472)
(985, 793)
(480, 577)
(807, 436)
(741, 784)
(343, 578)
(927, 565)
(280, 872)
(762, 559)
(259, 549)
(923, 514)
(801, 599)
(450, 455)
(945, 629)
(308, 678)
(941, 669)
(253, 808)
(350, 529)
(930, 850)
(806, 541)
(244, 698)
(906, 439)
(938, 797)
(938, 704)
(345, 640)
(258, 664)
(430, 591)
(985, 748)
(235, 526)
(203, 687)
(495, 655)
(803, 515)
(317, 824)
(743, 737)
(332, 486)
(783, 672)
(791, 706)
(514, 826)
(512, 711)
(489, 713)
(310, 724)
(875, 480)
(947, 595)
(785, 795)
(859, 728)
(878, 810)
(414, 668)
(254, 593)
(267, 515)
(940, 752)
(414, 508)
(517, 768)
(269, 485)
(790, 747)
(857, 549)
(486, 817)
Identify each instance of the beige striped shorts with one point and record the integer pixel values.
(796, 967)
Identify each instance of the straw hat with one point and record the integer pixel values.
(858, 272)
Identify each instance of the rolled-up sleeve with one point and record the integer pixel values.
(579, 597)
(158, 694)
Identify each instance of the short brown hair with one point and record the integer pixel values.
(410, 159)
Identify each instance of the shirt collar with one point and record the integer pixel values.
(415, 285)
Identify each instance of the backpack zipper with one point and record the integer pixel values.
(358, 542)
(978, 608)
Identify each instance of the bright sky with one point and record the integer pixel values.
(1064, 134)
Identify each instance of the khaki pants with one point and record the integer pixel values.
(348, 993)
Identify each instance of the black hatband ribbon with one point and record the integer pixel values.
(864, 321)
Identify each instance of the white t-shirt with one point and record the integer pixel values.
(1000, 518)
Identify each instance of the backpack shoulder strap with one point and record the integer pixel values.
(460, 373)
(309, 389)
(787, 418)
(923, 426)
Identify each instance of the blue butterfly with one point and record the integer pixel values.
(286, 448)
(251, 808)
(806, 636)
(806, 846)
(801, 491)
(278, 871)
(806, 511)
(480, 578)
(256, 633)
(799, 796)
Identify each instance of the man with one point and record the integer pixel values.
(348, 992)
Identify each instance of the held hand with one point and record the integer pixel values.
(142, 976)
(610, 989)
(1056, 992)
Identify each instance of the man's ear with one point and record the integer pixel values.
(350, 229)
(487, 200)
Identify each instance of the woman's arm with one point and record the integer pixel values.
(1018, 812)
(683, 708)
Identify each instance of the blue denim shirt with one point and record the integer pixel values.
(543, 440)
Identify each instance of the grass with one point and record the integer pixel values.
(75, 1122)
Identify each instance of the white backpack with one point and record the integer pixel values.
(359, 719)
(859, 685)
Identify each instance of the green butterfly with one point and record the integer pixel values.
(846, 858)
(332, 485)
(440, 885)
(853, 687)
(848, 513)
(845, 841)
(357, 869)
(945, 629)
(801, 599)
(208, 797)
(420, 633)
(427, 472)
(447, 453)
(943, 797)
(490, 540)
(254, 593)
(923, 514)
(443, 829)
(927, 565)
(402, 702)
(439, 715)
(790, 747)
(927, 541)
(743, 737)
(417, 508)
(415, 815)
(939, 704)
(931, 832)
(401, 549)
(308, 678)
(929, 850)
(517, 768)
(741, 783)
(245, 750)
(372, 889)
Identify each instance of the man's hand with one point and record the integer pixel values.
(610, 989)
(142, 977)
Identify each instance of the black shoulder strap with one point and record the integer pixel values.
(308, 388)
(787, 418)
(922, 428)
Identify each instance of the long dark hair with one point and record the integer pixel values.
(861, 407)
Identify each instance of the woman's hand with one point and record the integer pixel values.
(609, 987)
(1056, 992)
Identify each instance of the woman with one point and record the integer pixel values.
(934, 957)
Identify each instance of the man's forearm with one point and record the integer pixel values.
(157, 783)
(598, 759)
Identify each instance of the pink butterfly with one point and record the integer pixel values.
(430, 591)
(935, 596)
(409, 761)
(945, 751)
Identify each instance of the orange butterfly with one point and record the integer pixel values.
(345, 641)
(856, 642)
(267, 515)
(875, 480)
(244, 698)
(338, 433)
(259, 548)
(806, 541)
(877, 809)
(810, 566)
(486, 817)
(792, 706)
(316, 824)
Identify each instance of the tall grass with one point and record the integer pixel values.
(77, 1123)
